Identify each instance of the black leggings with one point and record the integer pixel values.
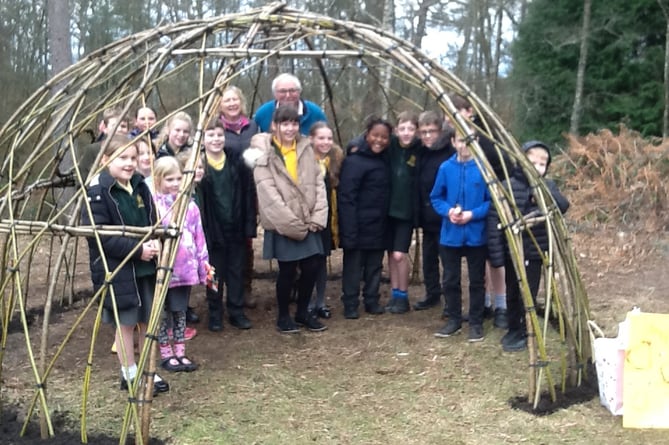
(305, 284)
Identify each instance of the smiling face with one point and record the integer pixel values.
(378, 138)
(170, 183)
(123, 166)
(321, 141)
(231, 105)
(145, 118)
(214, 141)
(179, 133)
(286, 132)
(286, 92)
(429, 134)
(405, 132)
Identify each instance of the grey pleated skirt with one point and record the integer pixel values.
(286, 249)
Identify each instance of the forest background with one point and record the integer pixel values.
(547, 67)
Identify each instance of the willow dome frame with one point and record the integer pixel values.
(184, 67)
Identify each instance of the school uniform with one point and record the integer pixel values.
(133, 285)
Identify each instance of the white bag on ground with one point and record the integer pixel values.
(609, 355)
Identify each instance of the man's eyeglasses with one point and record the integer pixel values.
(288, 91)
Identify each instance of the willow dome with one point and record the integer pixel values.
(350, 69)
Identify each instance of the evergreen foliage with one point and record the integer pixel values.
(623, 80)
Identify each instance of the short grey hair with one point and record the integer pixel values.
(286, 76)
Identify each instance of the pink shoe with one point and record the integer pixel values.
(188, 333)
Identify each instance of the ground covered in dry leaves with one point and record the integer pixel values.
(383, 379)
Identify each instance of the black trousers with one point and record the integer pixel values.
(430, 257)
(514, 300)
(451, 258)
(230, 264)
(361, 264)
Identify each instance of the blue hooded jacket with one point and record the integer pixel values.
(461, 183)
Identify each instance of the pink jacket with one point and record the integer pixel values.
(192, 255)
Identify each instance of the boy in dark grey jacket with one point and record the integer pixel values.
(539, 154)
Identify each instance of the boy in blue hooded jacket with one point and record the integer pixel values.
(460, 195)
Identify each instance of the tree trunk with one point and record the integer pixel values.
(665, 115)
(58, 16)
(580, 75)
(421, 26)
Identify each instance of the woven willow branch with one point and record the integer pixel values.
(39, 205)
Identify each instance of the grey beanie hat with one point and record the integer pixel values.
(537, 144)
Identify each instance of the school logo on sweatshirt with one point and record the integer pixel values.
(140, 202)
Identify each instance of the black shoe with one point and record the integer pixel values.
(187, 364)
(167, 364)
(451, 328)
(390, 305)
(488, 313)
(401, 306)
(427, 303)
(501, 320)
(285, 325)
(351, 312)
(310, 322)
(374, 309)
(158, 386)
(514, 341)
(475, 333)
(215, 324)
(191, 316)
(323, 312)
(240, 321)
(513, 336)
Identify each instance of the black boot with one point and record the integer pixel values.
(215, 315)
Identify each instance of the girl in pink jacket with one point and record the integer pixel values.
(191, 264)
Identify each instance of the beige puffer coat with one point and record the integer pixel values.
(288, 208)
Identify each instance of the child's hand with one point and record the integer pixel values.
(313, 227)
(150, 250)
(211, 271)
(457, 216)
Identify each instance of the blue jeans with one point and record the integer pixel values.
(451, 258)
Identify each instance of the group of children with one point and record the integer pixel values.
(310, 199)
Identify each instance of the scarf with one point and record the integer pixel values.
(235, 126)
